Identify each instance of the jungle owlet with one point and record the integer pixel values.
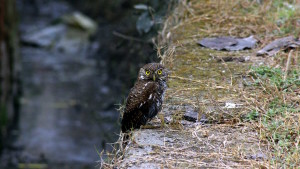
(145, 98)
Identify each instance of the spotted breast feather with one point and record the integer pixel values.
(141, 105)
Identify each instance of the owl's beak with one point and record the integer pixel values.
(153, 77)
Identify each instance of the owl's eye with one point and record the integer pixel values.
(159, 72)
(147, 73)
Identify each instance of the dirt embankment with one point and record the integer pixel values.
(206, 108)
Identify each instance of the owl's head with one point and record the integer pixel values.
(153, 72)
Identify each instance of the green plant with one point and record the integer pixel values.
(286, 12)
(278, 113)
(274, 77)
(253, 115)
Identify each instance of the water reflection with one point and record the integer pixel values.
(67, 105)
(61, 118)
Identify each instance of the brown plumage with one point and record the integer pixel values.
(145, 98)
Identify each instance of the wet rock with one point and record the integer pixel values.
(78, 20)
(44, 37)
(190, 115)
(144, 23)
(71, 36)
(141, 7)
(278, 44)
(193, 116)
(73, 41)
(59, 38)
(228, 43)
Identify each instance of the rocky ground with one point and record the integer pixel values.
(206, 109)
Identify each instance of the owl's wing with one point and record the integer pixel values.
(139, 95)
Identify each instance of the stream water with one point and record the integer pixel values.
(67, 113)
(71, 80)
